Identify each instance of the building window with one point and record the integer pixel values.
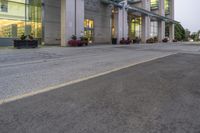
(154, 29)
(89, 29)
(154, 4)
(21, 18)
(88, 23)
(167, 7)
(3, 5)
(136, 28)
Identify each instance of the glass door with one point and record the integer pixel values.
(136, 28)
(89, 29)
(34, 18)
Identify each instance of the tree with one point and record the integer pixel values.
(195, 36)
(179, 32)
(187, 34)
(198, 35)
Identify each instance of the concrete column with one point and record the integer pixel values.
(161, 30)
(172, 9)
(171, 26)
(146, 25)
(115, 23)
(67, 20)
(80, 16)
(171, 32)
(72, 19)
(121, 23)
(146, 22)
(161, 24)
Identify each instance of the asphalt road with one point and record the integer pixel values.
(161, 96)
(28, 70)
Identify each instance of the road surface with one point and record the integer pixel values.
(160, 96)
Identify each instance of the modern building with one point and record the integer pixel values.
(55, 21)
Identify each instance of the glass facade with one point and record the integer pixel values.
(154, 29)
(89, 29)
(3, 5)
(154, 4)
(19, 17)
(114, 22)
(167, 7)
(136, 28)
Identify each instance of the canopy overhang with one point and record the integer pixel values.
(151, 14)
(140, 10)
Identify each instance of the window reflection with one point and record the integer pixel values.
(20, 18)
(154, 29)
(136, 27)
(154, 4)
(3, 6)
(89, 29)
(167, 7)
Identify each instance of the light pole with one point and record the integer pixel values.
(75, 18)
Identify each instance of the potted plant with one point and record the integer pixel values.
(125, 41)
(84, 40)
(73, 41)
(128, 41)
(137, 40)
(150, 40)
(26, 42)
(165, 40)
(155, 39)
(122, 41)
(23, 37)
(114, 40)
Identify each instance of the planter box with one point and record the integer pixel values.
(77, 43)
(136, 41)
(25, 44)
(114, 40)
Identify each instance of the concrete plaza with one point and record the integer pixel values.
(158, 96)
(28, 70)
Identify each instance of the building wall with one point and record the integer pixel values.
(13, 20)
(101, 14)
(94, 9)
(137, 4)
(52, 22)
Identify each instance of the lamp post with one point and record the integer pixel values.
(75, 18)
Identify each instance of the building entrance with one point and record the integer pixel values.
(89, 29)
(135, 28)
(19, 17)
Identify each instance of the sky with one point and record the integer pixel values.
(188, 13)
